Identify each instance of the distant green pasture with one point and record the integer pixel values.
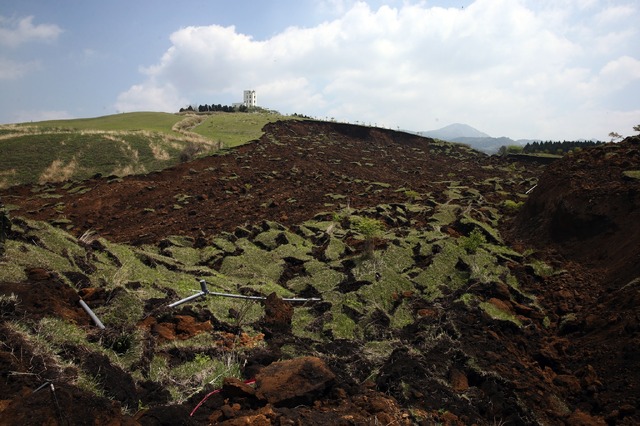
(76, 155)
(119, 144)
(152, 121)
(234, 129)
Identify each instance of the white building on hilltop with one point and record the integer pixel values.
(250, 99)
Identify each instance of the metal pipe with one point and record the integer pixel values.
(205, 291)
(300, 300)
(534, 187)
(187, 299)
(92, 315)
(203, 286)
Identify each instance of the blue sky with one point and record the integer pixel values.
(545, 69)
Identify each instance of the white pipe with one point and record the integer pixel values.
(205, 291)
(92, 315)
(187, 299)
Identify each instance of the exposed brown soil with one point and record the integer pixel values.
(583, 216)
(288, 176)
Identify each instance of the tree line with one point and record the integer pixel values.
(557, 147)
(548, 147)
(215, 108)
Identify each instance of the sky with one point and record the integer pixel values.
(525, 69)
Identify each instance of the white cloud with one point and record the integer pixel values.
(515, 68)
(614, 14)
(14, 33)
(149, 97)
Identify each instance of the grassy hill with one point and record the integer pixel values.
(151, 121)
(120, 144)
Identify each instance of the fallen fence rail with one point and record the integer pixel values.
(205, 291)
(93, 316)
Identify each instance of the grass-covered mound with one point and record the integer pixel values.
(121, 144)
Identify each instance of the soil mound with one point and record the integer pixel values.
(587, 207)
(585, 216)
(296, 170)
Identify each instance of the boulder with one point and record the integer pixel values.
(293, 382)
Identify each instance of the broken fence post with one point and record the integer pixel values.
(93, 316)
(205, 291)
(532, 188)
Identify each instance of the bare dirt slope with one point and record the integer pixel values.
(294, 171)
(585, 213)
(570, 357)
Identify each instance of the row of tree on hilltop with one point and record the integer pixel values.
(547, 147)
(215, 108)
(557, 147)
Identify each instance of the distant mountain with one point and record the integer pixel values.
(463, 133)
(453, 131)
(487, 145)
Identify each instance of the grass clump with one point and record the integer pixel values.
(192, 376)
(123, 311)
(631, 174)
(499, 314)
(474, 241)
(370, 229)
(511, 206)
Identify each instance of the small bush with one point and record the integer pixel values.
(370, 229)
(190, 151)
(473, 242)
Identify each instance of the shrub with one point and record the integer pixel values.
(473, 242)
(370, 229)
(189, 151)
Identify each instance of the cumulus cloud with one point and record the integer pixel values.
(14, 33)
(515, 68)
(150, 97)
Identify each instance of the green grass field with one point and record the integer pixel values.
(119, 144)
(236, 129)
(151, 121)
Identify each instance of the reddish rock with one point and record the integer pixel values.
(580, 418)
(427, 312)
(277, 315)
(502, 290)
(293, 382)
(235, 388)
(588, 376)
(503, 305)
(458, 380)
(254, 420)
(187, 326)
(164, 330)
(572, 383)
(38, 274)
(228, 411)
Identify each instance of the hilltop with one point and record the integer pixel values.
(118, 145)
(447, 294)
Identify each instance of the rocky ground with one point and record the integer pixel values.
(467, 308)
